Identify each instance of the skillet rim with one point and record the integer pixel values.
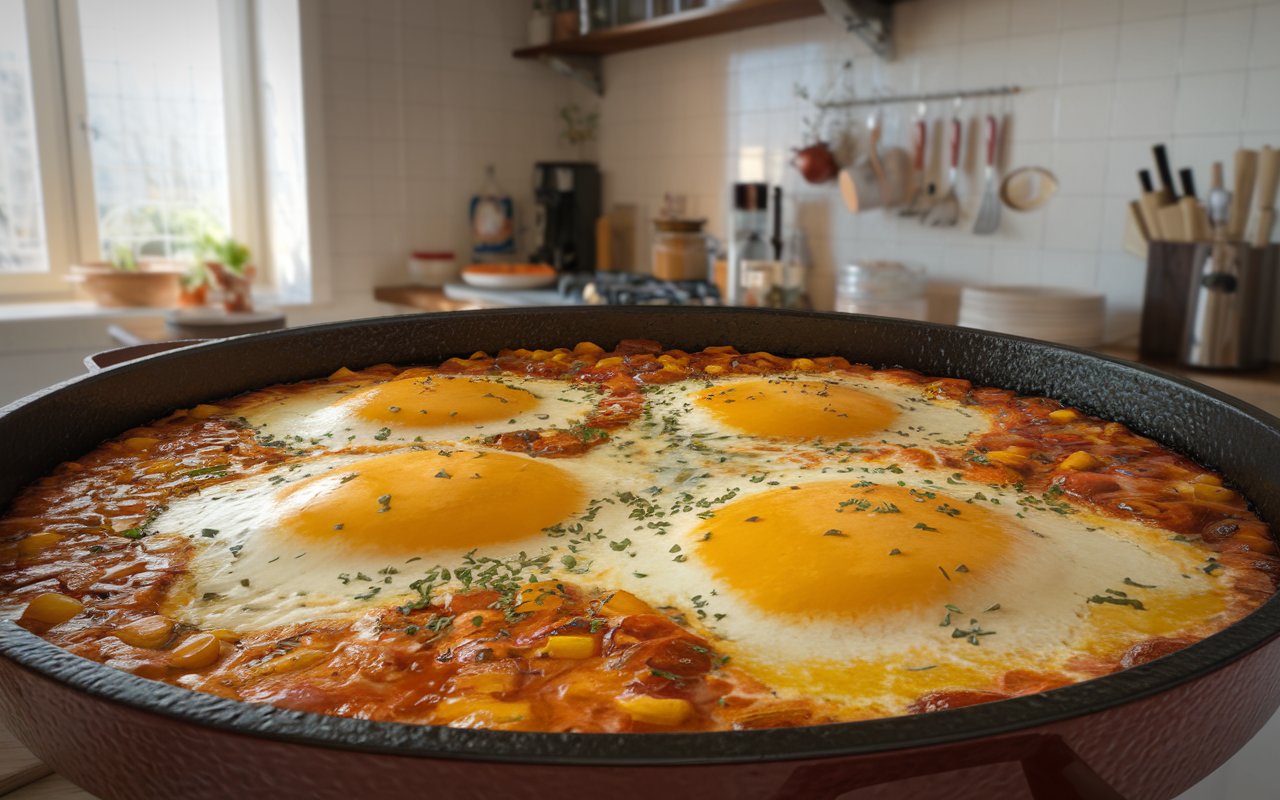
(1192, 663)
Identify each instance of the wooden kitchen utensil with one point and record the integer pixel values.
(1268, 178)
(946, 212)
(919, 202)
(1246, 169)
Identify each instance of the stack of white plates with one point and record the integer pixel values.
(1064, 316)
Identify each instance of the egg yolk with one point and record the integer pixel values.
(434, 401)
(797, 409)
(845, 550)
(418, 502)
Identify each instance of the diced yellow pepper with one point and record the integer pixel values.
(1214, 494)
(341, 373)
(491, 682)
(140, 443)
(52, 608)
(1008, 458)
(290, 662)
(197, 651)
(1080, 461)
(38, 543)
(568, 647)
(611, 361)
(204, 411)
(483, 709)
(1064, 415)
(664, 711)
(623, 604)
(149, 632)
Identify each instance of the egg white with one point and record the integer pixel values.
(321, 417)
(651, 488)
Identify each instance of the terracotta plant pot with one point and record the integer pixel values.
(155, 284)
(816, 162)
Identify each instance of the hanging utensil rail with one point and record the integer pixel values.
(963, 94)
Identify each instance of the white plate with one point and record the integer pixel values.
(514, 280)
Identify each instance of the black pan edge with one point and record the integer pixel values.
(1220, 431)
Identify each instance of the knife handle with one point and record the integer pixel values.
(1246, 169)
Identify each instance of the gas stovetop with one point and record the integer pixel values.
(628, 289)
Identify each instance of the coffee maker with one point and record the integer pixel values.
(566, 198)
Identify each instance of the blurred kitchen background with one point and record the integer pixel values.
(282, 162)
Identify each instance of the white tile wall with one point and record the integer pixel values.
(1103, 80)
(419, 95)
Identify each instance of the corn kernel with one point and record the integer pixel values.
(665, 711)
(196, 652)
(542, 355)
(1020, 450)
(485, 682)
(1214, 494)
(802, 363)
(1080, 461)
(149, 632)
(611, 361)
(1009, 459)
(204, 411)
(341, 373)
(38, 543)
(568, 647)
(225, 635)
(483, 709)
(140, 443)
(562, 358)
(624, 604)
(479, 354)
(587, 347)
(1207, 477)
(713, 369)
(52, 608)
(1064, 415)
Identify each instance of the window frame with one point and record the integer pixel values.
(63, 146)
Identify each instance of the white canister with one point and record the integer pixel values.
(432, 267)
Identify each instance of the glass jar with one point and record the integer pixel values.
(680, 251)
(882, 288)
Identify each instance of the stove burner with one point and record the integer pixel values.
(628, 289)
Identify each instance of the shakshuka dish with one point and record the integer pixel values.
(630, 540)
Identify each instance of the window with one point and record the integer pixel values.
(140, 125)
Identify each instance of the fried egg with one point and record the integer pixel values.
(848, 578)
(420, 407)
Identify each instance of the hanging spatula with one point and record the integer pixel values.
(989, 213)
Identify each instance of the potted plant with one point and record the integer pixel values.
(227, 260)
(125, 281)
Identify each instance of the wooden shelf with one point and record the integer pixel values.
(579, 57)
(731, 16)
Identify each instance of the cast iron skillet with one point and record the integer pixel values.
(1146, 732)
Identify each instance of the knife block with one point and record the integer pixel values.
(1166, 300)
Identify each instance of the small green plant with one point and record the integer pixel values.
(227, 251)
(123, 258)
